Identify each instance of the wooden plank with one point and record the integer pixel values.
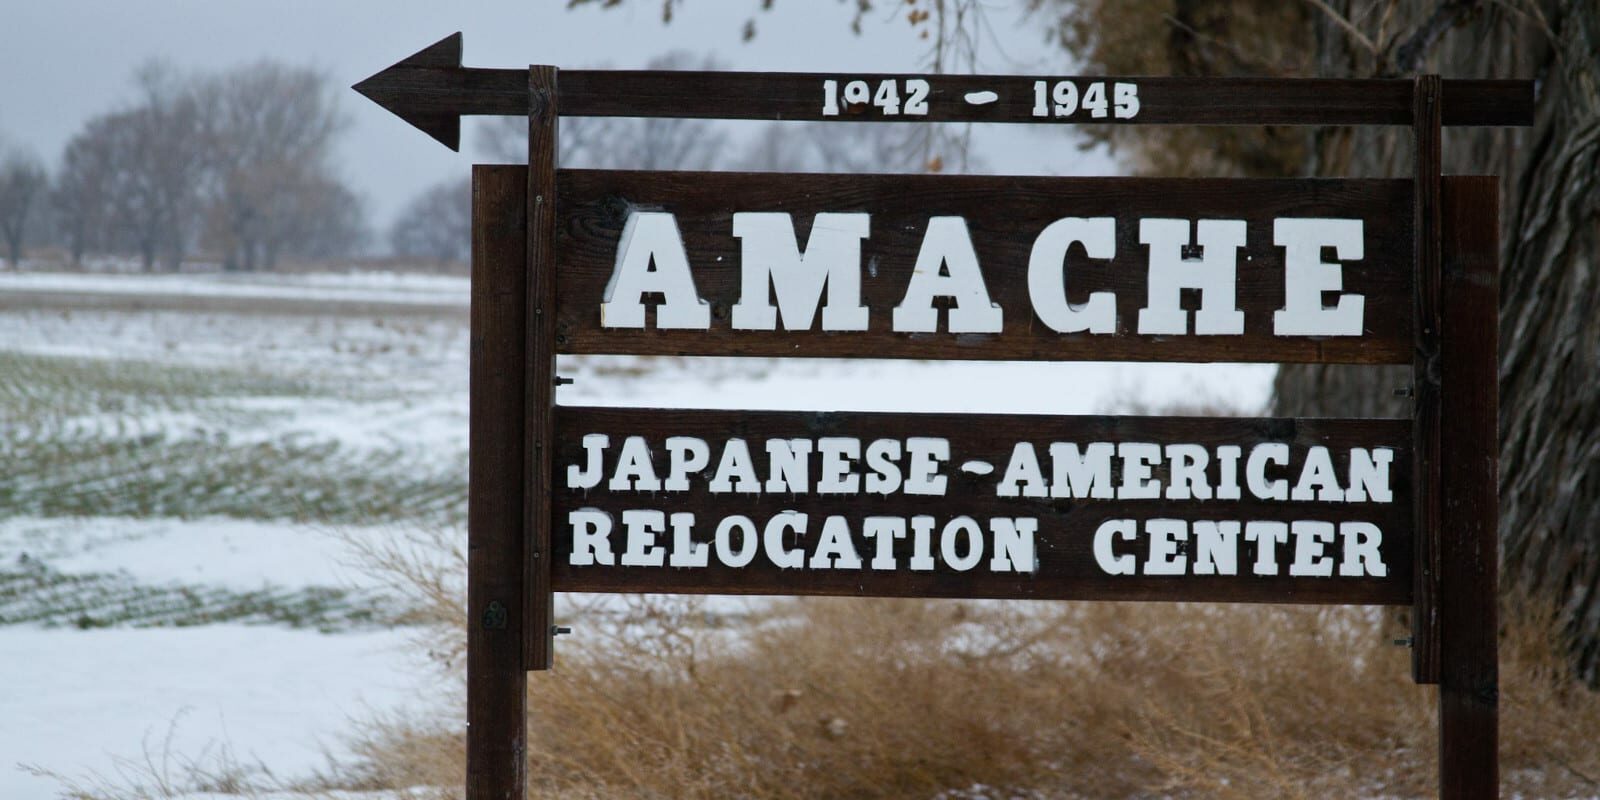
(541, 368)
(1004, 216)
(431, 90)
(1066, 526)
(1468, 575)
(496, 683)
(1162, 101)
(1425, 383)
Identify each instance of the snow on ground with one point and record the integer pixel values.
(916, 386)
(369, 287)
(244, 555)
(75, 701)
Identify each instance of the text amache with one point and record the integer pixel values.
(1182, 255)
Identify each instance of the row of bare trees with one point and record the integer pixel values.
(236, 165)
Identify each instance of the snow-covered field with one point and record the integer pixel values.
(179, 487)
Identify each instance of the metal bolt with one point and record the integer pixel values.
(1404, 391)
(1406, 642)
(494, 617)
(559, 630)
(560, 381)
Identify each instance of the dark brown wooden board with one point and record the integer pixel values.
(1469, 487)
(1066, 526)
(496, 682)
(1425, 378)
(1163, 100)
(1004, 215)
(540, 372)
(431, 90)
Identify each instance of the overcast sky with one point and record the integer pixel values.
(65, 60)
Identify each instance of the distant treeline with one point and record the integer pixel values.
(232, 166)
(237, 168)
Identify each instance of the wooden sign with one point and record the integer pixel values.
(999, 268)
(432, 90)
(1347, 511)
(953, 505)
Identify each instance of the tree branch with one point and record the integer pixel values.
(1347, 26)
(1408, 57)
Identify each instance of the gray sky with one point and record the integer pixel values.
(65, 60)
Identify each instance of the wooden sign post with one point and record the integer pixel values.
(1329, 511)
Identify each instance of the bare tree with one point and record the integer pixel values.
(82, 195)
(165, 161)
(436, 224)
(270, 131)
(131, 179)
(22, 184)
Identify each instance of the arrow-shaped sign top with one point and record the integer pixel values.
(432, 91)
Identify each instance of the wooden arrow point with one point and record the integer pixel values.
(416, 89)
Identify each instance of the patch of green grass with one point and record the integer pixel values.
(76, 440)
(36, 390)
(33, 593)
(54, 473)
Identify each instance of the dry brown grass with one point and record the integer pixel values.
(944, 699)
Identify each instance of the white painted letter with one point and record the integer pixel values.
(642, 528)
(591, 543)
(772, 539)
(835, 476)
(1023, 477)
(1187, 465)
(1306, 277)
(835, 549)
(1267, 536)
(922, 472)
(1047, 275)
(735, 472)
(1137, 458)
(1361, 556)
(884, 530)
(1309, 538)
(1086, 475)
(1317, 479)
(788, 465)
(883, 456)
(1110, 563)
(634, 470)
(589, 476)
(685, 552)
(948, 545)
(1013, 544)
(1255, 471)
(652, 237)
(947, 244)
(768, 251)
(1369, 475)
(1164, 558)
(685, 454)
(747, 541)
(1212, 274)
(1216, 547)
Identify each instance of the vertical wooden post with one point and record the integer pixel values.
(496, 682)
(1469, 514)
(541, 371)
(1425, 382)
